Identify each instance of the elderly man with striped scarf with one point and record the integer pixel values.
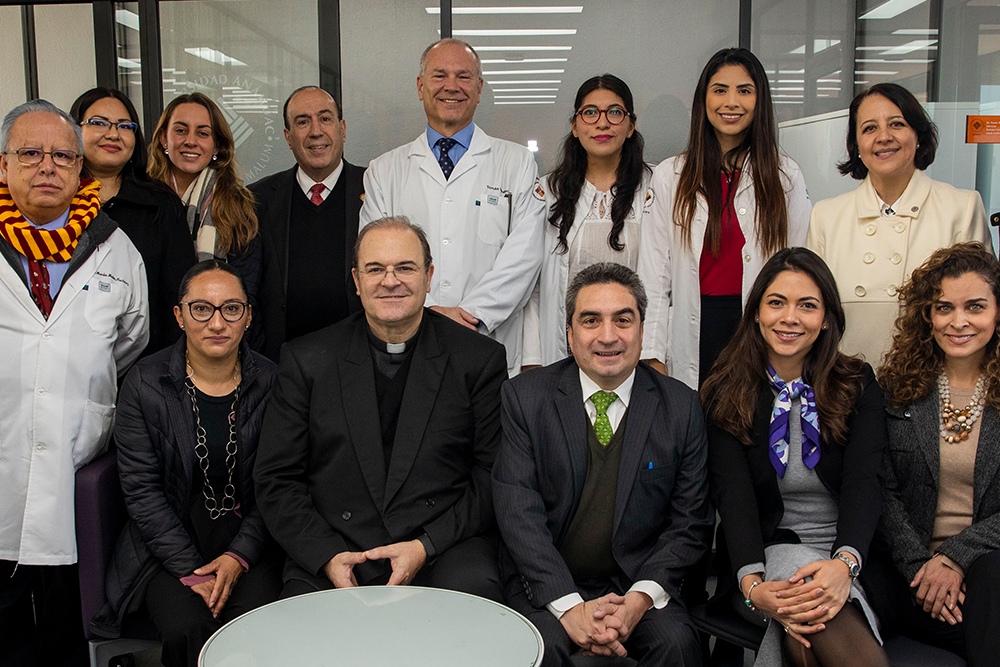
(73, 316)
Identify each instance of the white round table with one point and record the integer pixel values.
(377, 626)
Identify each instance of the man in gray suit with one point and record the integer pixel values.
(600, 487)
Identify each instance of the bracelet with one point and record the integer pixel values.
(746, 599)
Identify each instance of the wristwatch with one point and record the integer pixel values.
(852, 568)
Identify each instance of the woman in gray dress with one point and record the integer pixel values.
(796, 432)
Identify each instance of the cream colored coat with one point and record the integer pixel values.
(669, 269)
(871, 255)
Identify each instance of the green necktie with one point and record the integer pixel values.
(602, 425)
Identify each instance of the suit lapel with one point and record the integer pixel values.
(573, 415)
(641, 408)
(357, 386)
(422, 384)
(987, 457)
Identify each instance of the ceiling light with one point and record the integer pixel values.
(526, 90)
(791, 71)
(213, 56)
(915, 31)
(895, 61)
(787, 88)
(818, 45)
(125, 63)
(524, 82)
(524, 71)
(501, 61)
(891, 9)
(871, 72)
(791, 81)
(566, 9)
(909, 47)
(127, 19)
(522, 48)
(513, 32)
(526, 102)
(532, 145)
(826, 88)
(524, 97)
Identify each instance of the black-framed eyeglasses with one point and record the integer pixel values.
(590, 114)
(203, 311)
(402, 273)
(104, 125)
(33, 156)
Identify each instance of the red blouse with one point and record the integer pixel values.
(723, 275)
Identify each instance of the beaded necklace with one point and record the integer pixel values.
(956, 423)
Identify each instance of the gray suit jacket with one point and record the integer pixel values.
(910, 492)
(663, 519)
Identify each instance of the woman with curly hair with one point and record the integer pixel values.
(942, 468)
(796, 431)
(192, 151)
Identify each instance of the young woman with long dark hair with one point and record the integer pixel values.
(716, 213)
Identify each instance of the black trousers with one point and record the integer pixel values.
(977, 638)
(183, 620)
(40, 619)
(720, 315)
(468, 567)
(663, 636)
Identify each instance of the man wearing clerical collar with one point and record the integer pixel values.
(74, 316)
(375, 457)
(600, 487)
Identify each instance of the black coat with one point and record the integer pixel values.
(274, 205)
(153, 219)
(744, 484)
(155, 434)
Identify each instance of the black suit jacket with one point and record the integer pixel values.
(274, 205)
(321, 480)
(912, 478)
(745, 485)
(663, 519)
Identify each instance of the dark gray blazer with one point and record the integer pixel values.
(663, 519)
(910, 492)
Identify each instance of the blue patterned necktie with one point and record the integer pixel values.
(602, 424)
(778, 437)
(447, 166)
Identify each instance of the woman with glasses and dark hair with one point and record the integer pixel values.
(796, 432)
(941, 582)
(874, 236)
(192, 151)
(716, 213)
(114, 153)
(195, 550)
(594, 201)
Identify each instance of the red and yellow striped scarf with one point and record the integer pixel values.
(42, 244)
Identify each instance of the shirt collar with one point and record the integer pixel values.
(306, 183)
(58, 223)
(463, 136)
(624, 390)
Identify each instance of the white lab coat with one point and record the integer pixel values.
(59, 378)
(545, 314)
(670, 270)
(484, 225)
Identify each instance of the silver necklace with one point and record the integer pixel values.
(956, 423)
(201, 448)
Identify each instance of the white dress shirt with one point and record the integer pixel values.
(306, 183)
(615, 413)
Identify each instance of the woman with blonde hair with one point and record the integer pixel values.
(941, 495)
(192, 150)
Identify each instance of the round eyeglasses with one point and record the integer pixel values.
(590, 114)
(104, 125)
(33, 156)
(203, 311)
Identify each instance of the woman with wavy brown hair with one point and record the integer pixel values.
(942, 488)
(715, 214)
(796, 431)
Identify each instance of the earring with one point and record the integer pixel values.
(182, 327)
(824, 327)
(246, 327)
(165, 152)
(757, 320)
(215, 157)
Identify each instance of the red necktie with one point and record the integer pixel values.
(315, 192)
(39, 280)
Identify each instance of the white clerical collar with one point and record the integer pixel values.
(624, 390)
(306, 183)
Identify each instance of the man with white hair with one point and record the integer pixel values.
(73, 315)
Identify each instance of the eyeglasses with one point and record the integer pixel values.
(203, 311)
(591, 114)
(33, 156)
(104, 125)
(402, 273)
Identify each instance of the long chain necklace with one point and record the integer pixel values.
(201, 448)
(956, 423)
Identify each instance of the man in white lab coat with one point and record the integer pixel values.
(73, 316)
(474, 196)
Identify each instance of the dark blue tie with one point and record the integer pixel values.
(447, 166)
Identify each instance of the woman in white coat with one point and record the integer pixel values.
(717, 212)
(593, 202)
